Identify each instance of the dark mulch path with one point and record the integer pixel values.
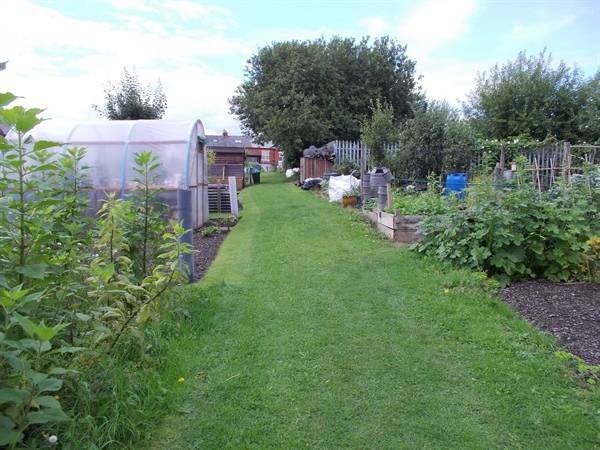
(570, 312)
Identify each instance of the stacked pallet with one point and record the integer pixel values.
(218, 198)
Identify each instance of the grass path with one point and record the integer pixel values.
(309, 331)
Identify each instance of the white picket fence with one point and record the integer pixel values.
(352, 150)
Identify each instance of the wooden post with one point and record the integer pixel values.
(365, 182)
(219, 196)
(233, 197)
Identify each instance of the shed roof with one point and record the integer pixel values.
(232, 144)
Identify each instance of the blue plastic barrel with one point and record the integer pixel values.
(456, 184)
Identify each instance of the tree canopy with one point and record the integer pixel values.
(529, 97)
(309, 93)
(129, 101)
(436, 140)
(379, 132)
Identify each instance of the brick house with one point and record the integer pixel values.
(270, 157)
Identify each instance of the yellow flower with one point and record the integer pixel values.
(447, 291)
(181, 380)
(56, 397)
(199, 373)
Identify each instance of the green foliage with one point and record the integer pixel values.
(211, 157)
(210, 230)
(379, 132)
(589, 373)
(591, 260)
(517, 235)
(354, 192)
(306, 93)
(527, 97)
(435, 140)
(129, 101)
(347, 167)
(432, 202)
(72, 292)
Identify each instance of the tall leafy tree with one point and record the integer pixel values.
(308, 93)
(435, 140)
(530, 97)
(128, 100)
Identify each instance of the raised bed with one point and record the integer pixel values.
(399, 228)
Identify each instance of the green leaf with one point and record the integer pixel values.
(29, 120)
(84, 317)
(50, 384)
(47, 415)
(104, 330)
(35, 271)
(37, 377)
(6, 98)
(27, 325)
(8, 437)
(42, 145)
(16, 396)
(48, 402)
(6, 424)
(18, 364)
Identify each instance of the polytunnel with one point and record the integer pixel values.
(111, 146)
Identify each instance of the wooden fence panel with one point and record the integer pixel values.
(314, 168)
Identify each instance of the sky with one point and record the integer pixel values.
(62, 54)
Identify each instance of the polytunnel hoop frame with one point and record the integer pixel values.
(190, 137)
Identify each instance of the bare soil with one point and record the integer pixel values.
(571, 312)
(207, 248)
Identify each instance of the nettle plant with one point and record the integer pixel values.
(71, 289)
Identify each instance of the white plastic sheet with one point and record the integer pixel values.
(341, 184)
(290, 172)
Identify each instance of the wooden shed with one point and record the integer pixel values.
(230, 158)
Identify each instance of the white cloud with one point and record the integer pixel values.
(375, 26)
(538, 32)
(432, 25)
(139, 5)
(63, 63)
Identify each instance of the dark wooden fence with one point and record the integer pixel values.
(314, 168)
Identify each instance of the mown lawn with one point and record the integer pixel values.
(310, 331)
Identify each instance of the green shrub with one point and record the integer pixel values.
(347, 167)
(522, 234)
(74, 294)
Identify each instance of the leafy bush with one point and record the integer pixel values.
(407, 201)
(521, 234)
(74, 293)
(347, 167)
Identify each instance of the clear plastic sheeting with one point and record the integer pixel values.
(341, 184)
(111, 146)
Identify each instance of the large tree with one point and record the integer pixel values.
(299, 94)
(530, 97)
(128, 100)
(435, 140)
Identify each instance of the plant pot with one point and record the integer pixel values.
(349, 201)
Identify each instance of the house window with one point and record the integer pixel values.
(264, 156)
